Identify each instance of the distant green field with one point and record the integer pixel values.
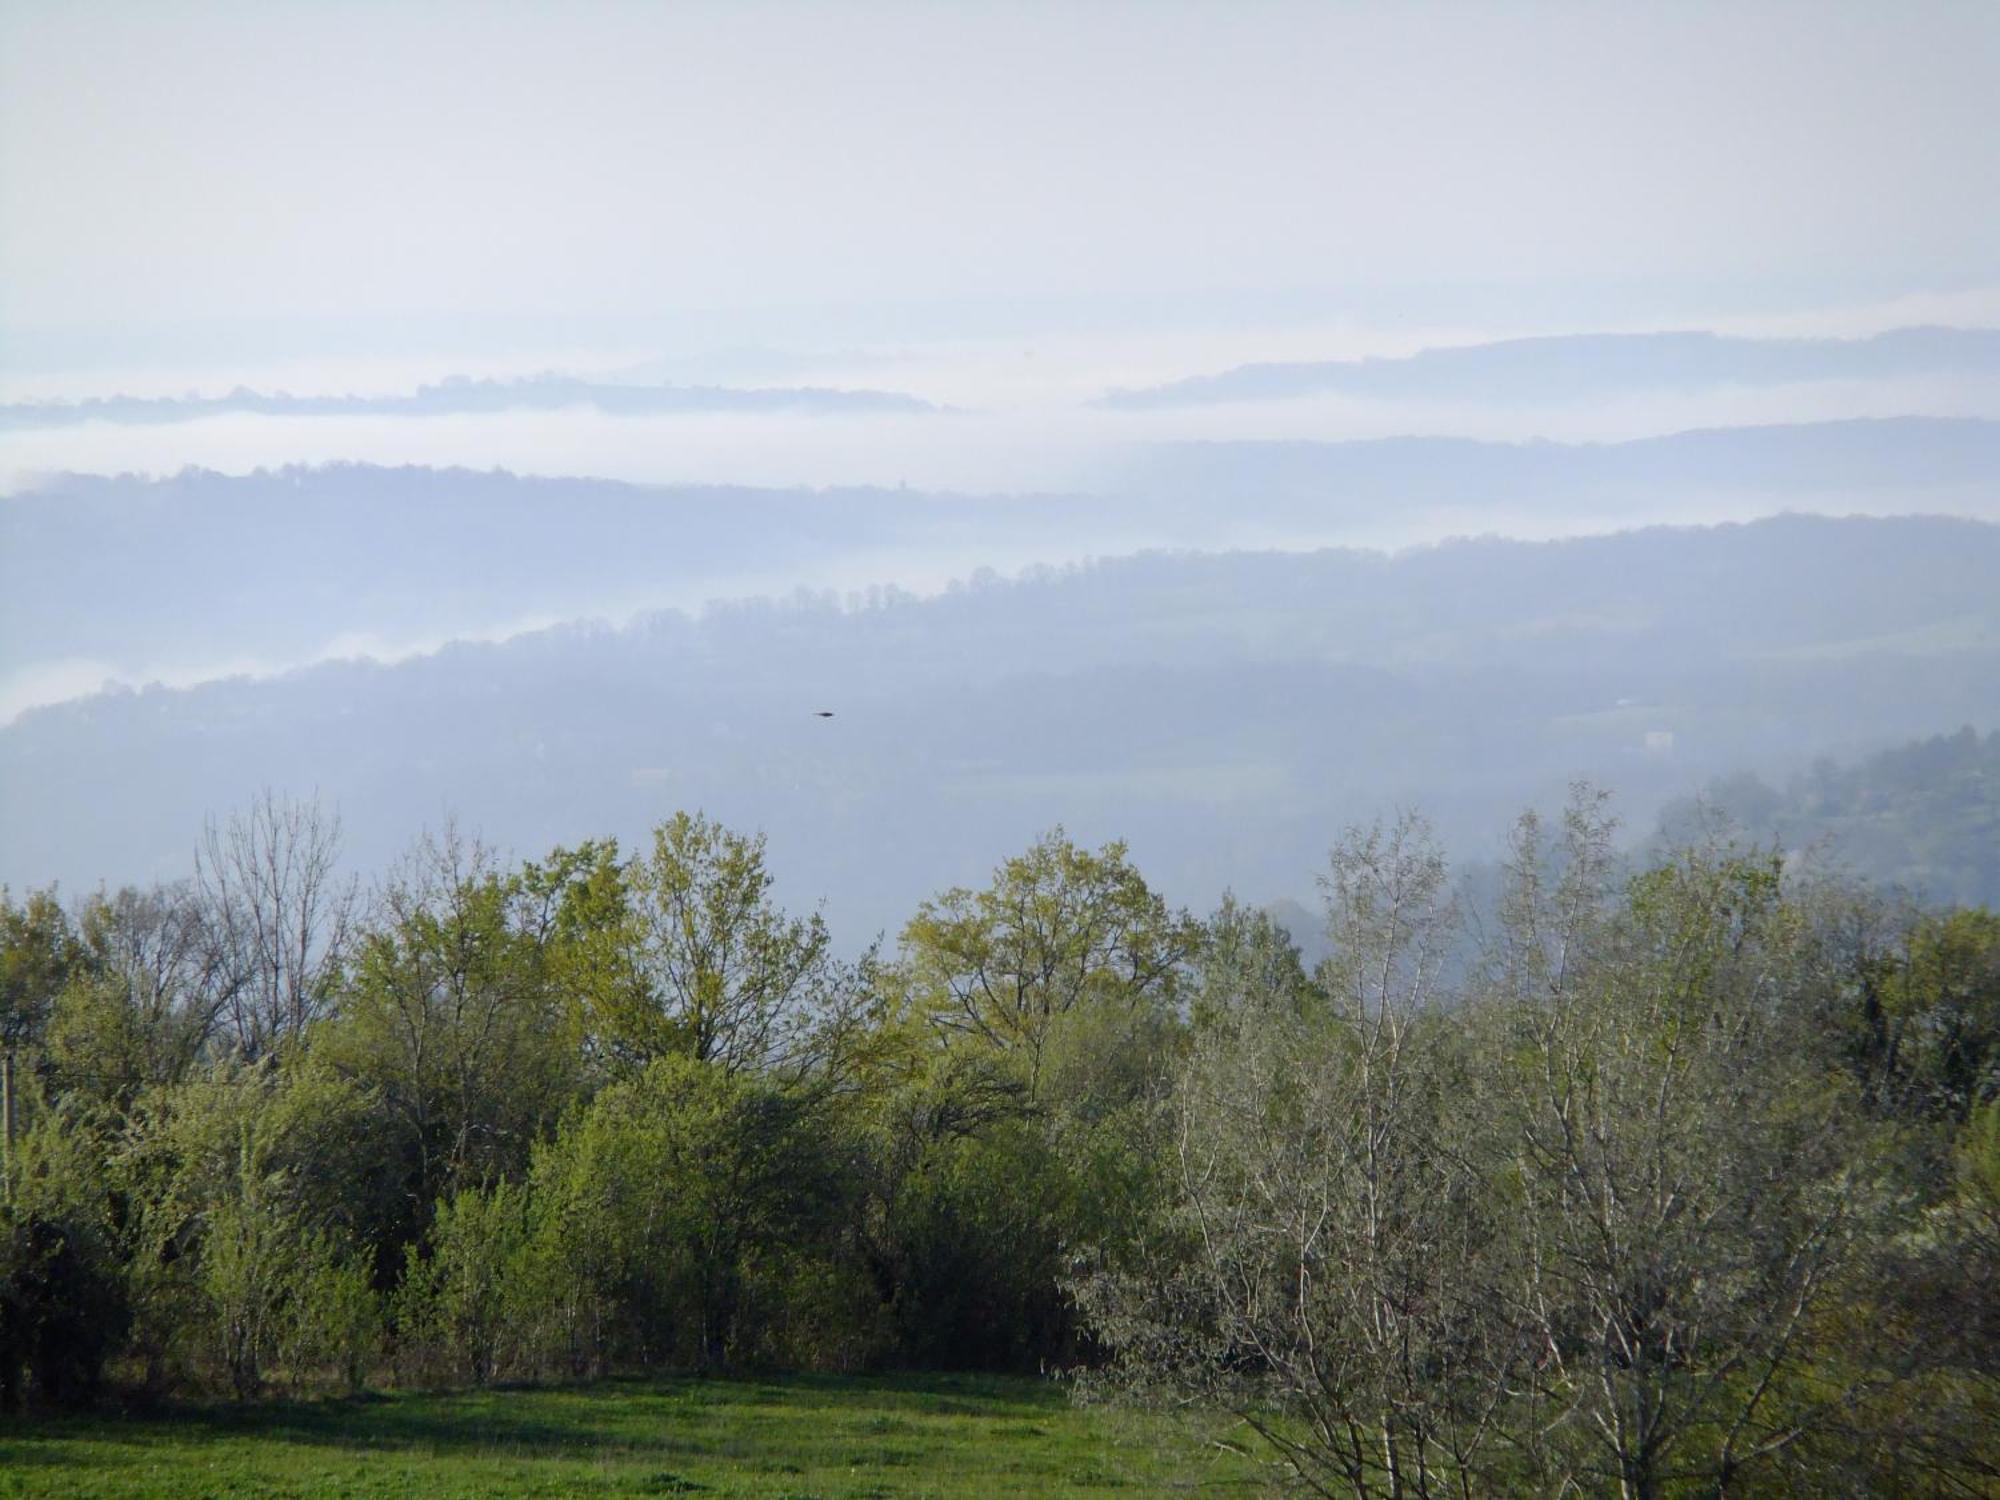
(829, 1439)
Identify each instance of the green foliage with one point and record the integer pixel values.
(236, 1187)
(244, 1279)
(62, 1314)
(718, 973)
(466, 1296)
(1941, 1013)
(63, 1308)
(1672, 1181)
(969, 1247)
(276, 1287)
(578, 908)
(670, 1198)
(453, 1018)
(332, 1328)
(38, 950)
(1041, 1009)
(97, 1045)
(144, 999)
(1060, 930)
(1979, 1158)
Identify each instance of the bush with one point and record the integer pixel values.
(63, 1307)
(62, 1310)
(463, 1310)
(331, 1329)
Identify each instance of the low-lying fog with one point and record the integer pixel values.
(1028, 447)
(1016, 417)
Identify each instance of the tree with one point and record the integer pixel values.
(146, 997)
(242, 1191)
(671, 1195)
(63, 1307)
(281, 914)
(712, 969)
(1059, 931)
(1692, 1180)
(1940, 1006)
(465, 1306)
(450, 1015)
(38, 952)
(1323, 1266)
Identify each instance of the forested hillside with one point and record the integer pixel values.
(1693, 1178)
(1219, 711)
(297, 563)
(1923, 816)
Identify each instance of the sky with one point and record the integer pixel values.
(180, 176)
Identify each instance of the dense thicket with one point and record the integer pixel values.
(1677, 1181)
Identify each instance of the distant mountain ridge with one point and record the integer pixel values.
(1568, 366)
(462, 395)
(1895, 453)
(293, 558)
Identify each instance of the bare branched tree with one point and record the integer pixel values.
(1324, 1272)
(280, 914)
(152, 958)
(1688, 1177)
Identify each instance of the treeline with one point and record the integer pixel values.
(1677, 1181)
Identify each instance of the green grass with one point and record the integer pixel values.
(827, 1439)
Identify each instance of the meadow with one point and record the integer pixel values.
(792, 1439)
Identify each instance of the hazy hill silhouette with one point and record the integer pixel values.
(1568, 367)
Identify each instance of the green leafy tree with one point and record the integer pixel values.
(673, 1193)
(228, 1182)
(332, 1320)
(38, 953)
(466, 1308)
(577, 906)
(1940, 1013)
(711, 968)
(64, 1312)
(1060, 931)
(452, 1017)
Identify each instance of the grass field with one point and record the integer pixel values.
(828, 1439)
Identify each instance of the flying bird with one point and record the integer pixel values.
(822, 713)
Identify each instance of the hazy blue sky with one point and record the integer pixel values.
(176, 164)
